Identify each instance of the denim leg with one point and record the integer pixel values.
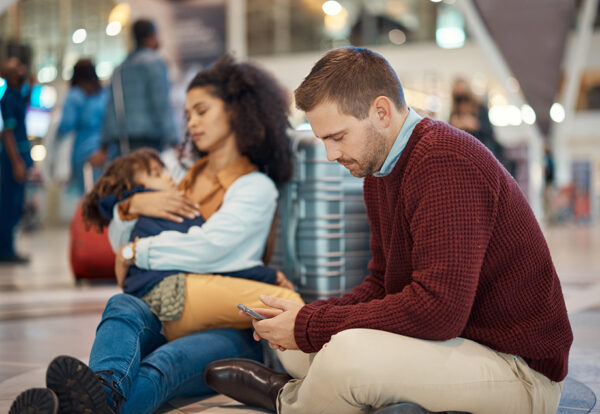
(176, 368)
(127, 333)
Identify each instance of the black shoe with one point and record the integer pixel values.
(402, 408)
(409, 408)
(246, 381)
(14, 259)
(35, 401)
(79, 389)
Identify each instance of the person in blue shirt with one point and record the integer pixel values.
(83, 112)
(15, 158)
(142, 80)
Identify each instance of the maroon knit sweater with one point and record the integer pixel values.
(457, 252)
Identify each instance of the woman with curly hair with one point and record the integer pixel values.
(237, 122)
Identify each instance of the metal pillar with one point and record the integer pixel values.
(237, 29)
(580, 47)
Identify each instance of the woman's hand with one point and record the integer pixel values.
(170, 205)
(121, 267)
(283, 281)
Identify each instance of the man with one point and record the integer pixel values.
(15, 158)
(139, 110)
(462, 309)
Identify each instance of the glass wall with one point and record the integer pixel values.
(59, 32)
(286, 26)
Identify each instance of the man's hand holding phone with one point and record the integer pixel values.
(278, 325)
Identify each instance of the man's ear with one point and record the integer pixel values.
(381, 111)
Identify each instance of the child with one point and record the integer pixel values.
(143, 170)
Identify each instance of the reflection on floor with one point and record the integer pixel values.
(43, 313)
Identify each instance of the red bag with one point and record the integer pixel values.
(90, 252)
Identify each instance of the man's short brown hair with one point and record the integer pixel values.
(352, 77)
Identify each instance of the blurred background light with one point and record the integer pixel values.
(514, 115)
(450, 32)
(337, 24)
(332, 8)
(557, 112)
(121, 13)
(43, 96)
(47, 74)
(113, 28)
(104, 70)
(48, 97)
(37, 122)
(528, 114)
(79, 36)
(397, 36)
(38, 152)
(2, 87)
(498, 115)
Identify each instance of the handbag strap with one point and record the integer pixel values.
(117, 90)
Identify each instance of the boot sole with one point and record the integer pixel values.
(35, 401)
(77, 387)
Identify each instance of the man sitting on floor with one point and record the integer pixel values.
(462, 310)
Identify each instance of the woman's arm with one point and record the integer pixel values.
(233, 238)
(169, 205)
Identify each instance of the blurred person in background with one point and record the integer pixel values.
(471, 116)
(83, 112)
(139, 110)
(15, 157)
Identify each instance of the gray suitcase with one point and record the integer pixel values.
(323, 232)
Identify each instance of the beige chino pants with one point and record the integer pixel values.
(361, 370)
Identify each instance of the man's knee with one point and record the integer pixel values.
(341, 356)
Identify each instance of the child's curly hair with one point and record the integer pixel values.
(118, 177)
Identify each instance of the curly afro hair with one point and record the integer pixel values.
(258, 109)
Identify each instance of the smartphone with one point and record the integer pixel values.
(250, 312)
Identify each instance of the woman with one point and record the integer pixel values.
(82, 115)
(237, 118)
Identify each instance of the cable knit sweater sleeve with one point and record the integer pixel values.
(448, 210)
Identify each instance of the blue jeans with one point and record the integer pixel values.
(150, 371)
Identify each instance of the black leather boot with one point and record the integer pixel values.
(246, 381)
(409, 408)
(79, 389)
(35, 401)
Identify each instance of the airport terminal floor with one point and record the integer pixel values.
(43, 313)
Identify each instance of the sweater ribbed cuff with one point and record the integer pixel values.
(301, 329)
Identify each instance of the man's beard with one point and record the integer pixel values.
(375, 152)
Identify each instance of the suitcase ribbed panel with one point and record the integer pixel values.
(323, 231)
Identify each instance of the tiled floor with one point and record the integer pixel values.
(43, 314)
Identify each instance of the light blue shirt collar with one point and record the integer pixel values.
(392, 158)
